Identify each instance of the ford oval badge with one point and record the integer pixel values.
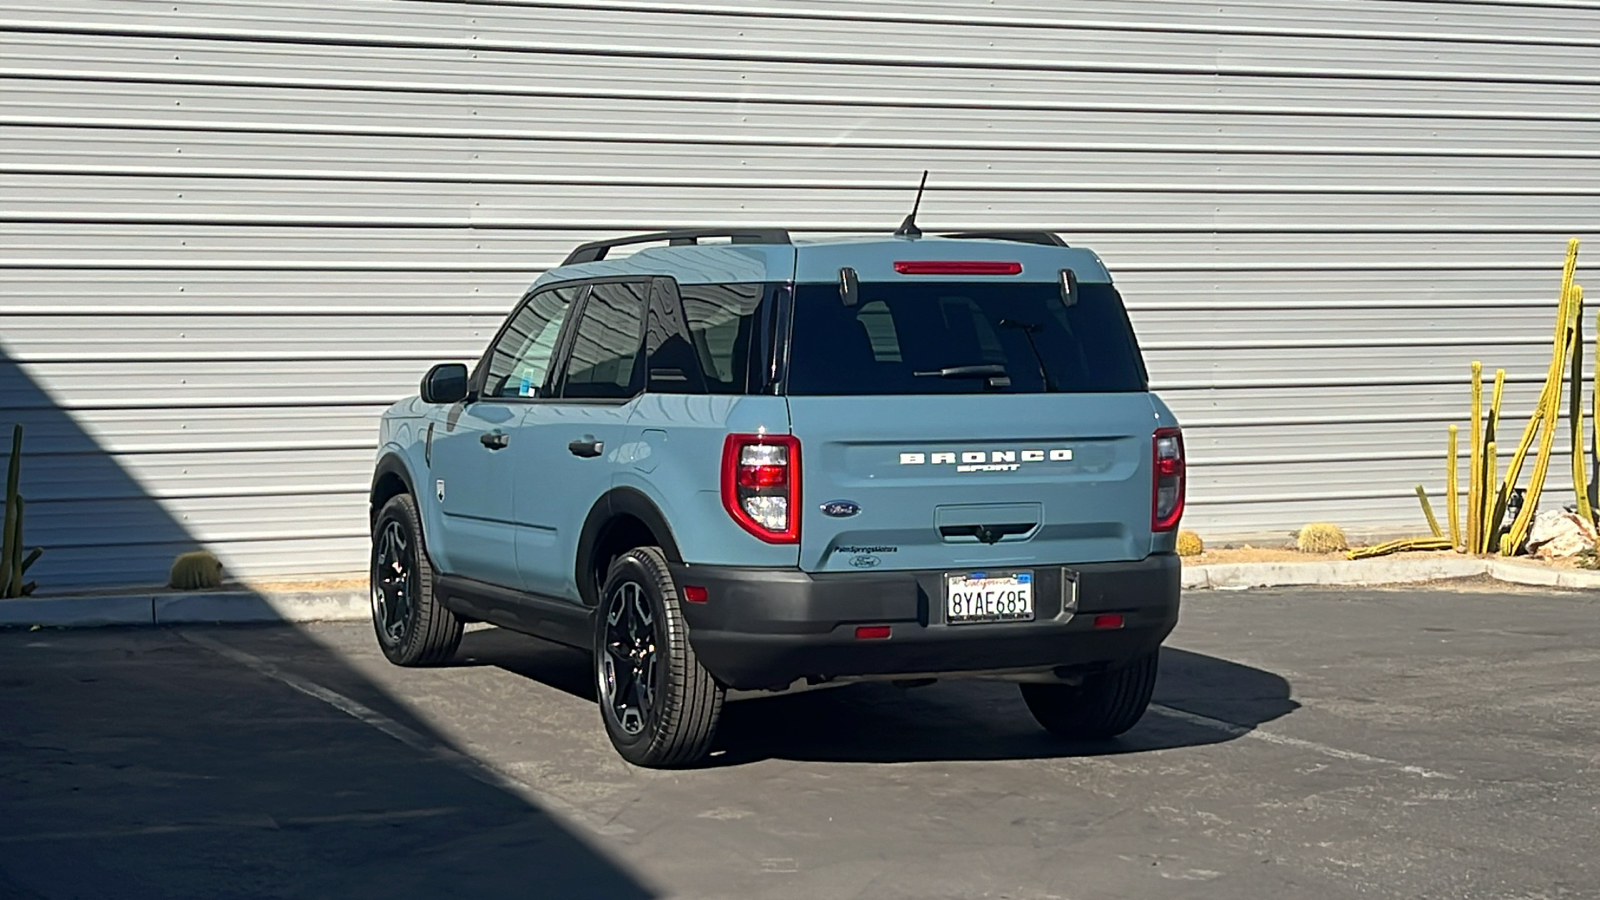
(840, 509)
(865, 561)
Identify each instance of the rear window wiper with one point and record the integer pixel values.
(963, 372)
(996, 375)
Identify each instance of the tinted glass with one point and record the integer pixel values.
(519, 364)
(721, 318)
(605, 349)
(907, 337)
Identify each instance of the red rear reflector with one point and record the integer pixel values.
(695, 593)
(1108, 620)
(763, 476)
(956, 267)
(871, 632)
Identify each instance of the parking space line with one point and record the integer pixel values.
(1283, 740)
(474, 768)
(235, 824)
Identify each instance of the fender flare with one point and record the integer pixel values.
(394, 463)
(619, 501)
(391, 463)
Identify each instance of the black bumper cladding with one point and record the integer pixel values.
(765, 628)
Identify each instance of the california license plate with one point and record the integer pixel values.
(971, 597)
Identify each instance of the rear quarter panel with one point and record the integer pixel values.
(675, 448)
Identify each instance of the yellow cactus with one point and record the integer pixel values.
(1189, 544)
(199, 569)
(1321, 537)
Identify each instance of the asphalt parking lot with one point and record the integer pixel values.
(1419, 743)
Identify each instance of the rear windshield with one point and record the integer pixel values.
(919, 337)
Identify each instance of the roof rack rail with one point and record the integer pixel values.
(1047, 238)
(596, 250)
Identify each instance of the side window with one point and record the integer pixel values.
(604, 363)
(721, 319)
(519, 365)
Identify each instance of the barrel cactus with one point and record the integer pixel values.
(1321, 537)
(1189, 544)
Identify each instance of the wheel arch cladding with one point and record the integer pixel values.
(389, 480)
(619, 521)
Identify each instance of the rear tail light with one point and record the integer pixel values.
(761, 485)
(1167, 506)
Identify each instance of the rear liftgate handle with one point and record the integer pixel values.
(587, 447)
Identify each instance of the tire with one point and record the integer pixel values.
(1104, 706)
(413, 628)
(659, 706)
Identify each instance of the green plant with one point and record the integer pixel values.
(194, 570)
(1321, 537)
(1189, 544)
(13, 564)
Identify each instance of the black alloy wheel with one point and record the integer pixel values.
(413, 627)
(659, 705)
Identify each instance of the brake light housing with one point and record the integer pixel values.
(761, 485)
(957, 267)
(1170, 477)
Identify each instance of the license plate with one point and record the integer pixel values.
(971, 597)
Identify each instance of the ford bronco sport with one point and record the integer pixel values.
(756, 462)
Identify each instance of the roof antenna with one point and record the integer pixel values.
(908, 228)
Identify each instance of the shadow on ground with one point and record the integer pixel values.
(960, 720)
(135, 763)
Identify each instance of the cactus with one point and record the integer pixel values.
(1189, 544)
(1547, 408)
(194, 570)
(1492, 513)
(1517, 534)
(1427, 512)
(1580, 467)
(1401, 546)
(1321, 537)
(13, 565)
(1475, 465)
(1453, 488)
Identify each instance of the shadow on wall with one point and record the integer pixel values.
(141, 763)
(96, 523)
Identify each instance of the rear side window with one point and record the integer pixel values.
(721, 318)
(919, 337)
(707, 338)
(604, 363)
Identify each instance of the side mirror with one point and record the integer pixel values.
(445, 383)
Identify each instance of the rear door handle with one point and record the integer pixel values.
(494, 440)
(988, 534)
(587, 447)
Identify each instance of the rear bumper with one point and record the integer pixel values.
(765, 628)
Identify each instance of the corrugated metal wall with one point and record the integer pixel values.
(233, 231)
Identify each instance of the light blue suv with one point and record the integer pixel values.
(740, 461)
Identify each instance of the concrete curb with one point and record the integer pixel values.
(1382, 570)
(175, 608)
(352, 605)
(1239, 576)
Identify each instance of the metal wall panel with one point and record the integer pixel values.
(231, 232)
